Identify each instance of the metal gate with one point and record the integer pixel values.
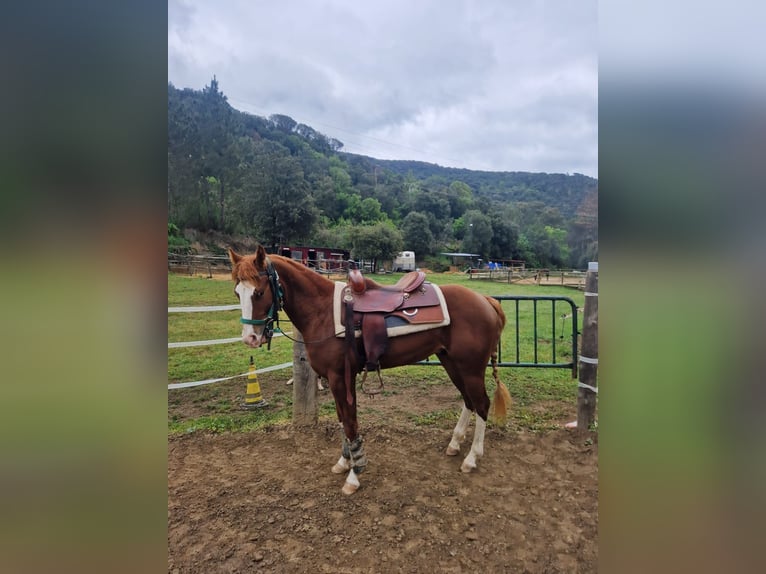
(531, 323)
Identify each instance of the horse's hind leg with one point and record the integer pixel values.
(461, 428)
(471, 387)
(477, 446)
(458, 435)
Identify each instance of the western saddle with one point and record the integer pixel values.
(367, 305)
(369, 297)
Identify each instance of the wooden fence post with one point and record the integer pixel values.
(305, 411)
(587, 388)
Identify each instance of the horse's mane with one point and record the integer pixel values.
(247, 270)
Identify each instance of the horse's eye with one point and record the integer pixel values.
(258, 294)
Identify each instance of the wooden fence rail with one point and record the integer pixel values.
(542, 277)
(202, 264)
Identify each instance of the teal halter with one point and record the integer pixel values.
(277, 301)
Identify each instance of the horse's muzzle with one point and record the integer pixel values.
(253, 340)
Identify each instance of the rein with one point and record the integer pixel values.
(307, 342)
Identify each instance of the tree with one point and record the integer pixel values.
(557, 248)
(283, 123)
(335, 236)
(478, 233)
(525, 252)
(458, 228)
(436, 207)
(370, 210)
(460, 198)
(416, 233)
(218, 125)
(280, 206)
(374, 242)
(504, 235)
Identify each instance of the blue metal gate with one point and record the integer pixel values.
(531, 326)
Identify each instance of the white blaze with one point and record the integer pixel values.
(250, 335)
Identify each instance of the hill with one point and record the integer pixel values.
(561, 191)
(283, 182)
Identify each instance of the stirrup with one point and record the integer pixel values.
(375, 390)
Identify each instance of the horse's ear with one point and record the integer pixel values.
(234, 257)
(260, 257)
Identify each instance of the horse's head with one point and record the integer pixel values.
(259, 293)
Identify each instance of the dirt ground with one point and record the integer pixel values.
(266, 501)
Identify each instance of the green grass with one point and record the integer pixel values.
(539, 395)
(437, 418)
(254, 420)
(186, 291)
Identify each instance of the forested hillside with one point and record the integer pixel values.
(284, 183)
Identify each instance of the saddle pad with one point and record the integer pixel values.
(393, 331)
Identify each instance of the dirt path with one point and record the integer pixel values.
(267, 502)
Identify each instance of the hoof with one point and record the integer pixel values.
(452, 451)
(467, 467)
(343, 465)
(349, 489)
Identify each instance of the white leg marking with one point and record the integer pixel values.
(459, 433)
(352, 483)
(342, 465)
(477, 447)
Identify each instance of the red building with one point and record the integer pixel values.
(320, 258)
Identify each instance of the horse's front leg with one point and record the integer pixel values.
(344, 462)
(353, 459)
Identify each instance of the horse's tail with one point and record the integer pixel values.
(499, 310)
(501, 401)
(498, 410)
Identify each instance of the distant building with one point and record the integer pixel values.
(405, 261)
(462, 260)
(319, 258)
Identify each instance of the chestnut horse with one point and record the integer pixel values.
(267, 283)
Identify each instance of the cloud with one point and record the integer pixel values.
(507, 86)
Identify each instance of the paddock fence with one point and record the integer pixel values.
(541, 277)
(552, 342)
(191, 264)
(545, 346)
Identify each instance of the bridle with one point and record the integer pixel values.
(277, 302)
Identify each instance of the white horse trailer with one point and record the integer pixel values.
(405, 261)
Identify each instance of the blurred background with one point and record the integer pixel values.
(682, 135)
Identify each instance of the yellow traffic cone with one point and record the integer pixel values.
(253, 398)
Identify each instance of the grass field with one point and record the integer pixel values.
(539, 394)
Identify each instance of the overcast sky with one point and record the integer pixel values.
(499, 85)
